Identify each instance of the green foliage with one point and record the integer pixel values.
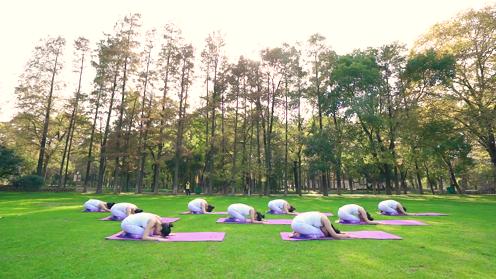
(29, 183)
(10, 163)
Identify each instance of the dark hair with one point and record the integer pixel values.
(137, 210)
(210, 208)
(369, 216)
(336, 230)
(404, 208)
(291, 208)
(166, 229)
(259, 216)
(110, 204)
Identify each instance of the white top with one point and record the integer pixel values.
(390, 203)
(240, 208)
(278, 203)
(312, 218)
(138, 219)
(121, 207)
(94, 202)
(197, 203)
(351, 209)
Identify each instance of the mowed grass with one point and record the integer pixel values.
(45, 235)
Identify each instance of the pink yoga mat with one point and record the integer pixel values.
(178, 237)
(389, 222)
(163, 219)
(325, 213)
(208, 213)
(379, 235)
(268, 222)
(417, 214)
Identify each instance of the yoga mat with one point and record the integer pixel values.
(388, 222)
(268, 222)
(163, 219)
(176, 237)
(89, 211)
(325, 213)
(207, 213)
(416, 214)
(378, 235)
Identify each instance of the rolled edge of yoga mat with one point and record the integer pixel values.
(375, 235)
(175, 237)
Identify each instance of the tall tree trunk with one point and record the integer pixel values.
(419, 178)
(143, 130)
(235, 143)
(39, 169)
(89, 159)
(103, 148)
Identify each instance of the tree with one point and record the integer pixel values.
(10, 163)
(38, 82)
(471, 39)
(81, 47)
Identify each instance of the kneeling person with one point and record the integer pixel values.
(392, 207)
(280, 207)
(123, 209)
(199, 206)
(352, 213)
(240, 212)
(146, 225)
(93, 205)
(314, 225)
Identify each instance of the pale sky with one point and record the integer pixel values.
(248, 25)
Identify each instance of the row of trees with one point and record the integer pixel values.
(300, 118)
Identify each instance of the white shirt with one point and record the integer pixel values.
(312, 218)
(94, 202)
(391, 203)
(197, 203)
(121, 207)
(351, 209)
(241, 208)
(278, 203)
(139, 219)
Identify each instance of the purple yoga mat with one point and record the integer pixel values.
(379, 235)
(417, 214)
(268, 222)
(208, 213)
(177, 237)
(88, 211)
(388, 222)
(270, 212)
(163, 219)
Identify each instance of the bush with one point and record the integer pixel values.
(29, 183)
(10, 163)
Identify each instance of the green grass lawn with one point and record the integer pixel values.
(45, 235)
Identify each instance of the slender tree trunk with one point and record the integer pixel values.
(235, 143)
(103, 148)
(92, 136)
(143, 130)
(419, 179)
(39, 169)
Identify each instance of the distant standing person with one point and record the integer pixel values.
(93, 205)
(392, 207)
(188, 188)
